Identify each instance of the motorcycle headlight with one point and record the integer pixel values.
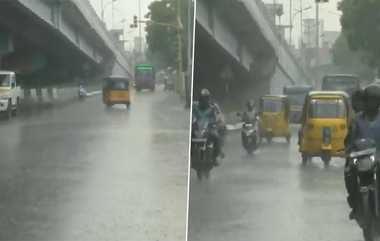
(365, 164)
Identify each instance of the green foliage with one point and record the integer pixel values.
(355, 61)
(361, 25)
(162, 40)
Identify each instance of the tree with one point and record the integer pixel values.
(357, 62)
(361, 25)
(162, 40)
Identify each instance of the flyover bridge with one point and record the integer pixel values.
(238, 52)
(56, 41)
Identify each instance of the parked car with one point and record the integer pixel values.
(9, 93)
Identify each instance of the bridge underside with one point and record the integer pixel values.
(37, 52)
(212, 63)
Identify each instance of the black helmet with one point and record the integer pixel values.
(357, 100)
(372, 91)
(205, 93)
(250, 104)
(371, 99)
(204, 98)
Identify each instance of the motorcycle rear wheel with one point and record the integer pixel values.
(371, 230)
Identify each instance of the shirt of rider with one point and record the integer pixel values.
(369, 129)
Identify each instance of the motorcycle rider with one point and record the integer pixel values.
(250, 115)
(366, 124)
(357, 101)
(204, 107)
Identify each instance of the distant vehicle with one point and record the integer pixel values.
(9, 93)
(145, 77)
(169, 84)
(82, 92)
(296, 95)
(116, 91)
(274, 117)
(341, 82)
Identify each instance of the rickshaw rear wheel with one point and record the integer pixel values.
(305, 159)
(326, 158)
(207, 173)
(288, 138)
(199, 174)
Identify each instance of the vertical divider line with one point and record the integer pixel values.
(191, 115)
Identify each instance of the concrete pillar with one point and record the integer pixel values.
(56, 8)
(6, 43)
(6, 46)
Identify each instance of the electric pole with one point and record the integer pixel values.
(189, 55)
(102, 10)
(179, 40)
(140, 33)
(301, 19)
(290, 21)
(317, 32)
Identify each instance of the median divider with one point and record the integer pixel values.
(37, 98)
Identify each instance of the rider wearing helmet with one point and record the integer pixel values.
(250, 115)
(357, 100)
(204, 107)
(366, 124)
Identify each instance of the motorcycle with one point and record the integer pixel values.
(202, 148)
(82, 93)
(250, 133)
(169, 85)
(364, 162)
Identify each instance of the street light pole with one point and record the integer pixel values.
(112, 13)
(140, 32)
(102, 10)
(290, 21)
(179, 39)
(301, 30)
(317, 33)
(189, 51)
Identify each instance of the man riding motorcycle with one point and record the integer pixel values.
(204, 107)
(250, 115)
(366, 124)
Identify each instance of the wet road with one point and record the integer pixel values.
(270, 197)
(81, 172)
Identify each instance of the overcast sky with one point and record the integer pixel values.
(124, 9)
(328, 12)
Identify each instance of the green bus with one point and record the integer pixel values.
(145, 77)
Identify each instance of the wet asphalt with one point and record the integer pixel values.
(81, 172)
(270, 196)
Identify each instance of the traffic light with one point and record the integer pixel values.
(135, 22)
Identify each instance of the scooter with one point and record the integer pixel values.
(367, 168)
(82, 93)
(250, 133)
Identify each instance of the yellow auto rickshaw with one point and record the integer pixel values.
(116, 91)
(274, 117)
(325, 120)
